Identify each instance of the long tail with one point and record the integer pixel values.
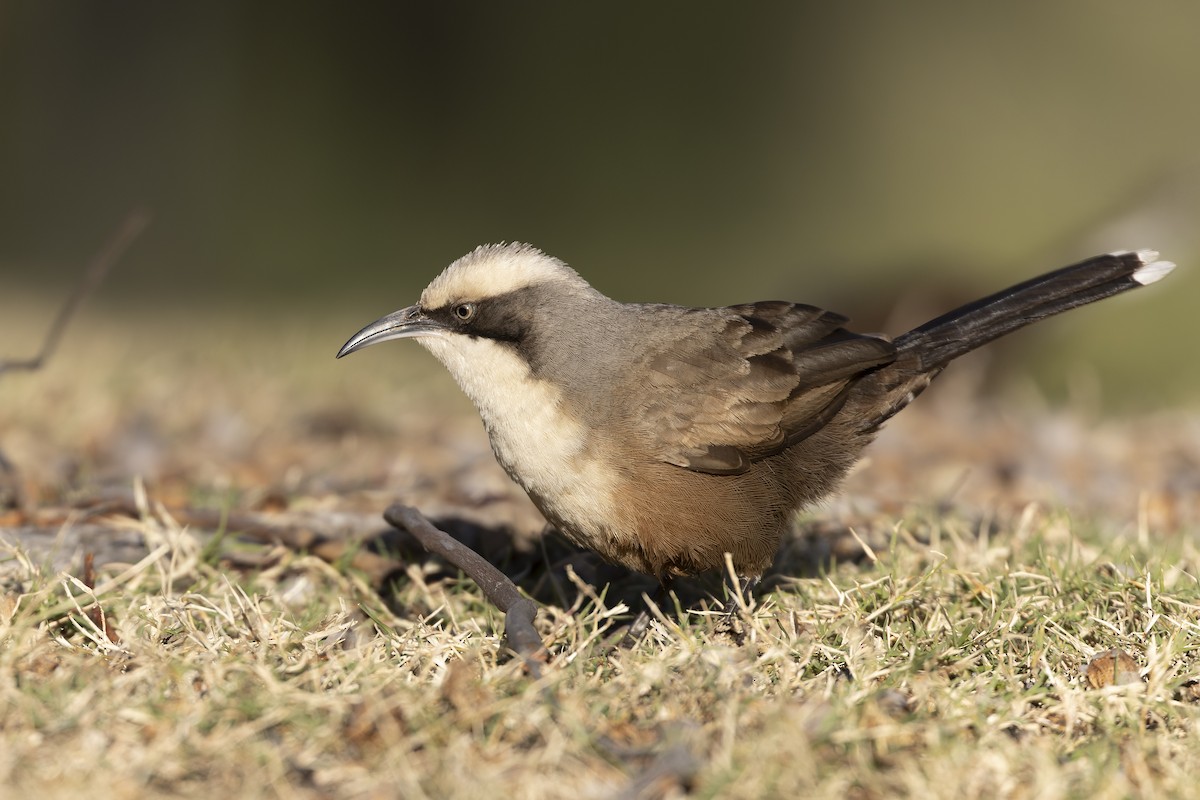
(924, 351)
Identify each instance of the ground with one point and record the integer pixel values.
(1002, 602)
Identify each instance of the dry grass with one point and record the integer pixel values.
(951, 665)
(947, 671)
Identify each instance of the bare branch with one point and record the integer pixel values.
(519, 611)
(96, 271)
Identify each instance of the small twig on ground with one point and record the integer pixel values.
(134, 224)
(96, 612)
(519, 611)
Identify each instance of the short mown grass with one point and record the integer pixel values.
(948, 670)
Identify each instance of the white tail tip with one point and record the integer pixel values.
(1154, 270)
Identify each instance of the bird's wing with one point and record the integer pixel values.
(774, 374)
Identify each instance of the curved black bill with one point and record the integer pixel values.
(403, 324)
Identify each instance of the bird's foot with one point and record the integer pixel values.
(637, 629)
(739, 592)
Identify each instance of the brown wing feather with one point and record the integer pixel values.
(776, 373)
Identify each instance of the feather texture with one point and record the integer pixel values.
(773, 374)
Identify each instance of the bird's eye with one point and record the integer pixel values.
(465, 312)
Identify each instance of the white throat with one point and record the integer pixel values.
(538, 442)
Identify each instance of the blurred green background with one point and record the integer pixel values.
(883, 159)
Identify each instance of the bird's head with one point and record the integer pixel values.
(495, 292)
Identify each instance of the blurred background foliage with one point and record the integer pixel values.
(883, 159)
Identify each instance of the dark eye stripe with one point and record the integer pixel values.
(502, 318)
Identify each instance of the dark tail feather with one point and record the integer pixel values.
(923, 352)
(936, 343)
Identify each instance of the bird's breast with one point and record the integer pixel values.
(540, 443)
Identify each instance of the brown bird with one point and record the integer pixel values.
(663, 437)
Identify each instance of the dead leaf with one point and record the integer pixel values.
(1112, 668)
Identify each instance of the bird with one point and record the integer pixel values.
(666, 438)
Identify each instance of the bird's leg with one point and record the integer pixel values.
(739, 590)
(637, 628)
(739, 597)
